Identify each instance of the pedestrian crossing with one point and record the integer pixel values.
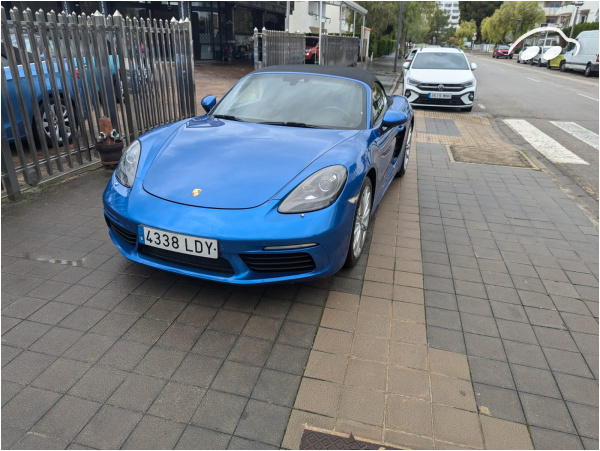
(550, 148)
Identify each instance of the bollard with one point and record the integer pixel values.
(109, 145)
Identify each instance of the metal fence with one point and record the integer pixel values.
(339, 50)
(272, 48)
(63, 73)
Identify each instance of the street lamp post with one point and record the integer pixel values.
(577, 5)
(518, 26)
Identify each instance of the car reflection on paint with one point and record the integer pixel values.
(276, 183)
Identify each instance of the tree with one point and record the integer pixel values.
(466, 29)
(502, 25)
(382, 17)
(438, 21)
(477, 11)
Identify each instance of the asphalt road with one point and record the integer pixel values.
(507, 91)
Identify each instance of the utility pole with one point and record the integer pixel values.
(577, 6)
(398, 38)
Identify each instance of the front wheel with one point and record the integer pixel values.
(362, 216)
(548, 65)
(562, 67)
(404, 163)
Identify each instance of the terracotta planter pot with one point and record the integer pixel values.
(110, 154)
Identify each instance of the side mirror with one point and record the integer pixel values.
(208, 103)
(406, 65)
(473, 66)
(392, 118)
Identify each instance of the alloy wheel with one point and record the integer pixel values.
(361, 222)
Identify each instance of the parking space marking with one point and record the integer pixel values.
(545, 145)
(582, 95)
(482, 106)
(578, 132)
(533, 79)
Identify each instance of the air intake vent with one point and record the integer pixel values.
(125, 234)
(271, 262)
(219, 265)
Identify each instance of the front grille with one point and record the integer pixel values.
(272, 262)
(424, 100)
(219, 265)
(125, 234)
(434, 87)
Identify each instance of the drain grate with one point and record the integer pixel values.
(323, 440)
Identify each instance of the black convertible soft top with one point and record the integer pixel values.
(337, 71)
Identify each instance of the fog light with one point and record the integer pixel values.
(471, 96)
(407, 93)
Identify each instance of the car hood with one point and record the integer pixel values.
(441, 75)
(236, 165)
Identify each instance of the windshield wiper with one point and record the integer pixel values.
(226, 116)
(290, 124)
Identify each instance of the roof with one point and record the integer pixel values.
(440, 49)
(353, 73)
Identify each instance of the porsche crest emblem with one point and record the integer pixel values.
(196, 192)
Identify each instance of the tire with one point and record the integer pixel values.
(47, 125)
(540, 62)
(562, 66)
(510, 57)
(360, 223)
(493, 56)
(405, 156)
(531, 61)
(548, 65)
(518, 60)
(588, 70)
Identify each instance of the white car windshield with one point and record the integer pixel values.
(440, 60)
(296, 100)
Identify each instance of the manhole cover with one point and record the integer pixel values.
(322, 440)
(492, 155)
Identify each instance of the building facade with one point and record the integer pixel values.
(564, 14)
(451, 8)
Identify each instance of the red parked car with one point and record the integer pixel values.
(501, 51)
(311, 53)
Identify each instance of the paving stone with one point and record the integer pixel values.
(585, 419)
(452, 392)
(333, 341)
(250, 350)
(124, 355)
(549, 439)
(555, 338)
(90, 347)
(67, 417)
(82, 318)
(531, 284)
(372, 325)
(109, 428)
(296, 334)
(199, 438)
(440, 300)
(443, 318)
(491, 372)
(438, 270)
(362, 405)
(56, 341)
(587, 344)
(410, 415)
(547, 413)
(408, 312)
(219, 411)
(197, 370)
(263, 422)
(177, 402)
(27, 407)
(236, 378)
(457, 426)
(24, 334)
(408, 382)
(509, 312)
(320, 397)
(525, 354)
(535, 381)
(276, 387)
(500, 402)
(446, 339)
(23, 307)
(501, 434)
(474, 306)
(516, 331)
(578, 389)
(61, 375)
(137, 392)
(229, 321)
(567, 362)
(290, 359)
(154, 433)
(486, 347)
(571, 305)
(449, 364)
(579, 323)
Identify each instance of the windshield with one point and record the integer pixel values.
(503, 47)
(311, 42)
(296, 100)
(440, 60)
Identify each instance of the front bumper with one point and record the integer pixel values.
(458, 99)
(242, 237)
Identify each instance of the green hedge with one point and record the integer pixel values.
(382, 46)
(580, 27)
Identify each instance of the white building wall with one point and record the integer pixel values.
(451, 8)
(306, 16)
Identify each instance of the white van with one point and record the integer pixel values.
(587, 58)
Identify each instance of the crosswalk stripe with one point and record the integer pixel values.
(578, 132)
(545, 145)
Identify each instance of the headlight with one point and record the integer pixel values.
(128, 164)
(469, 83)
(412, 81)
(318, 191)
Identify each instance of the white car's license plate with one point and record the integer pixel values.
(440, 95)
(184, 244)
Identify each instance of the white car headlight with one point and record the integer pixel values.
(412, 81)
(468, 84)
(318, 191)
(128, 164)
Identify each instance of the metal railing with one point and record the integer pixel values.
(62, 73)
(272, 48)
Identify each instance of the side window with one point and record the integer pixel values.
(379, 103)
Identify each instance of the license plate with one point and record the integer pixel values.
(184, 244)
(439, 95)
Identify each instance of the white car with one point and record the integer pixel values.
(440, 77)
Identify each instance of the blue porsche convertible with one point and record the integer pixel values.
(277, 182)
